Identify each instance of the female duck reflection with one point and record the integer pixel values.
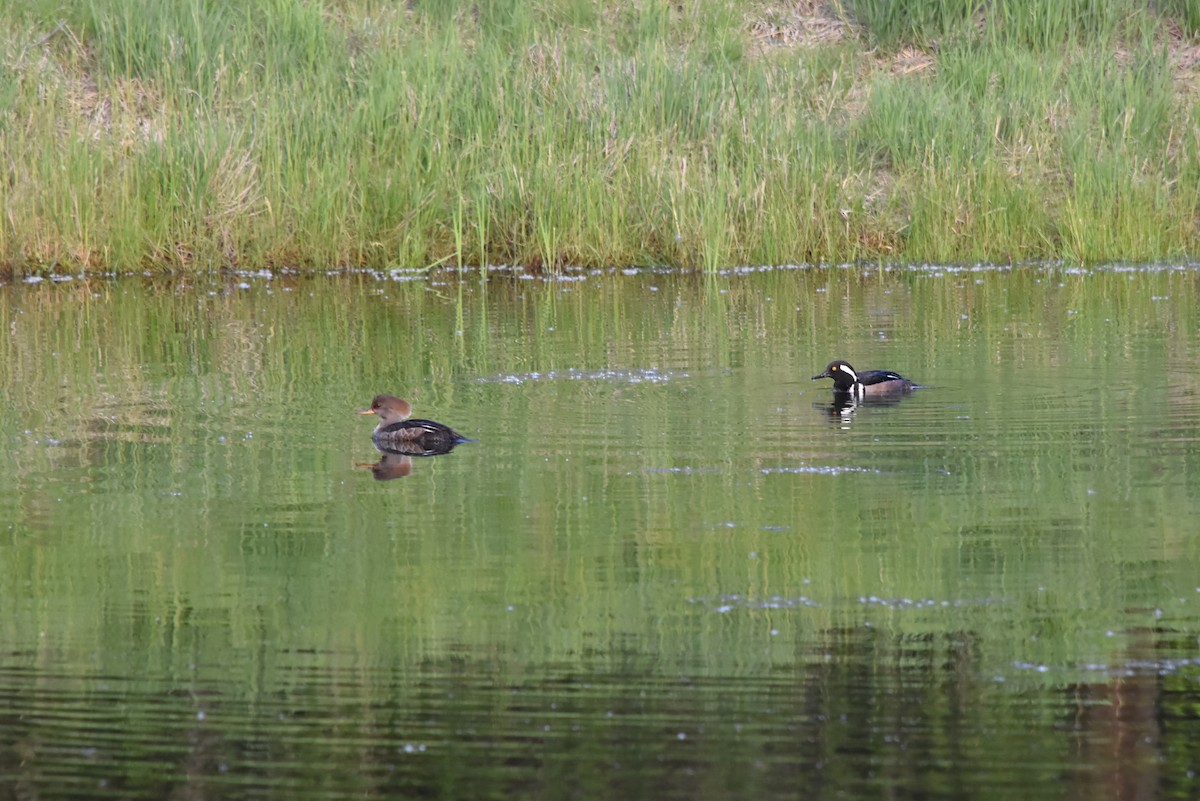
(398, 439)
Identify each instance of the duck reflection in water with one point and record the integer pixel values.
(843, 407)
(398, 462)
(389, 466)
(398, 439)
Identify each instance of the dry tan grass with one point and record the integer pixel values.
(806, 23)
(1184, 56)
(910, 61)
(128, 112)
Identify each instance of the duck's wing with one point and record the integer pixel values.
(869, 377)
(420, 430)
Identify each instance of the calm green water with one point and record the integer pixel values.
(667, 568)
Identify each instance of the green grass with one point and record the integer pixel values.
(198, 135)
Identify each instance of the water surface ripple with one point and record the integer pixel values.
(668, 566)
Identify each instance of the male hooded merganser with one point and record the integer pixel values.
(867, 383)
(399, 434)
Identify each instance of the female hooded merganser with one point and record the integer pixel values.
(858, 385)
(401, 435)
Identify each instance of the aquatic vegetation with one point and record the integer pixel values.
(705, 134)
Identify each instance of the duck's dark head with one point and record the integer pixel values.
(841, 372)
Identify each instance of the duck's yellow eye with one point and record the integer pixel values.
(835, 367)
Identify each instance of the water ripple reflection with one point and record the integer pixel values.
(641, 376)
(669, 567)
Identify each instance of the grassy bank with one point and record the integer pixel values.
(269, 133)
